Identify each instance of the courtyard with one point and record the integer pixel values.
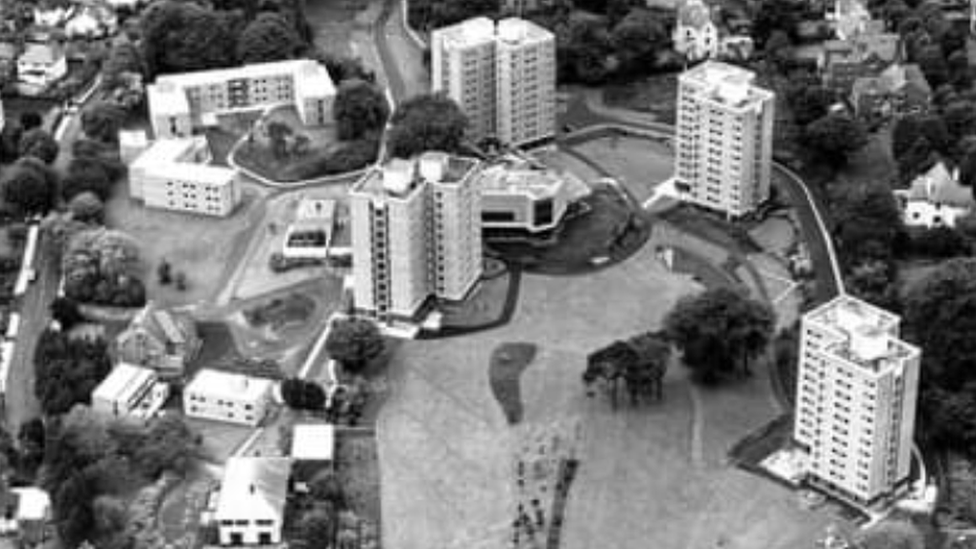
(656, 473)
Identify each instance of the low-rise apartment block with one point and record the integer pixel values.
(842, 62)
(502, 75)
(178, 103)
(856, 391)
(416, 234)
(130, 391)
(230, 397)
(724, 139)
(175, 174)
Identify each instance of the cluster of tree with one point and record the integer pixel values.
(300, 394)
(20, 458)
(91, 461)
(29, 186)
(187, 36)
(430, 122)
(938, 317)
(360, 110)
(640, 363)
(123, 75)
(434, 14)
(719, 331)
(67, 369)
(328, 520)
(353, 343)
(102, 266)
(94, 167)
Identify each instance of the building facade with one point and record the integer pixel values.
(856, 391)
(724, 139)
(174, 174)
(162, 340)
(416, 234)
(842, 62)
(251, 505)
(130, 391)
(39, 66)
(935, 199)
(503, 77)
(229, 397)
(180, 102)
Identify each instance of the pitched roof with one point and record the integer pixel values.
(164, 325)
(693, 13)
(938, 186)
(44, 54)
(253, 487)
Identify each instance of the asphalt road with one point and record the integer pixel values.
(383, 25)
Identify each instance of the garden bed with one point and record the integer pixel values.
(358, 470)
(294, 308)
(505, 368)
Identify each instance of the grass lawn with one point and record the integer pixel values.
(608, 229)
(656, 95)
(179, 513)
(640, 164)
(485, 306)
(220, 439)
(203, 247)
(358, 470)
(505, 368)
(712, 227)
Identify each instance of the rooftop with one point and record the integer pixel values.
(42, 54)
(473, 32)
(940, 186)
(869, 333)
(513, 30)
(253, 487)
(398, 178)
(175, 156)
(220, 384)
(726, 84)
(123, 381)
(33, 504)
(315, 442)
(507, 179)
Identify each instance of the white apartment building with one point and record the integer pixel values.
(130, 391)
(855, 406)
(180, 102)
(724, 138)
(174, 174)
(416, 234)
(230, 397)
(502, 75)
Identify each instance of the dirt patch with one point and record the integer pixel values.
(505, 368)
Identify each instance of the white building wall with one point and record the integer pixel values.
(249, 529)
(167, 192)
(457, 238)
(231, 410)
(408, 254)
(526, 91)
(363, 267)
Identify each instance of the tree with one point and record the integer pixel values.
(168, 445)
(809, 100)
(939, 242)
(890, 534)
(302, 395)
(778, 48)
(66, 312)
(278, 134)
(87, 208)
(428, 122)
(30, 120)
(354, 342)
(960, 120)
(933, 64)
(103, 266)
(268, 38)
(359, 108)
(185, 36)
(316, 529)
(67, 370)
(29, 186)
(88, 174)
(637, 38)
(345, 68)
(835, 138)
(718, 330)
(102, 121)
(124, 58)
(771, 16)
(583, 50)
(39, 144)
(868, 222)
(910, 128)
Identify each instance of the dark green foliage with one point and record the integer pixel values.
(30, 120)
(91, 174)
(354, 342)
(771, 16)
(103, 267)
(359, 108)
(431, 122)
(67, 370)
(834, 138)
(719, 331)
(867, 221)
(124, 57)
(636, 39)
(346, 68)
(302, 395)
(87, 208)
(185, 36)
(939, 242)
(39, 144)
(66, 312)
(269, 37)
(432, 14)
(102, 121)
(808, 98)
(30, 186)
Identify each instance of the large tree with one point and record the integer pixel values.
(425, 123)
(354, 342)
(103, 266)
(124, 57)
(719, 330)
(102, 121)
(868, 222)
(39, 143)
(185, 36)
(359, 107)
(302, 395)
(269, 37)
(67, 370)
(89, 174)
(30, 186)
(637, 38)
(834, 138)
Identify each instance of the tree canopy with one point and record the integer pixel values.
(359, 108)
(431, 122)
(40, 144)
(354, 342)
(102, 121)
(835, 138)
(185, 36)
(718, 330)
(269, 37)
(30, 186)
(103, 266)
(67, 370)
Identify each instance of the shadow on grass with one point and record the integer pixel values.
(505, 368)
(490, 306)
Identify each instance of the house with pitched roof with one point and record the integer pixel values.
(899, 90)
(695, 35)
(39, 66)
(868, 55)
(935, 199)
(850, 18)
(159, 339)
(251, 505)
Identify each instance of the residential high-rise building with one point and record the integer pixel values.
(855, 406)
(503, 76)
(416, 234)
(724, 138)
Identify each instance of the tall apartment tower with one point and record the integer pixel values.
(724, 139)
(856, 393)
(416, 234)
(503, 76)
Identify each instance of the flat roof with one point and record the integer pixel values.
(727, 84)
(399, 178)
(32, 503)
(513, 30)
(233, 386)
(315, 442)
(167, 98)
(299, 68)
(503, 179)
(868, 331)
(472, 32)
(165, 155)
(122, 381)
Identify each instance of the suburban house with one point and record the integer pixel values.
(867, 55)
(130, 391)
(851, 18)
(251, 505)
(52, 16)
(309, 235)
(695, 35)
(94, 21)
(312, 450)
(26, 514)
(159, 339)
(899, 90)
(229, 397)
(39, 66)
(935, 198)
